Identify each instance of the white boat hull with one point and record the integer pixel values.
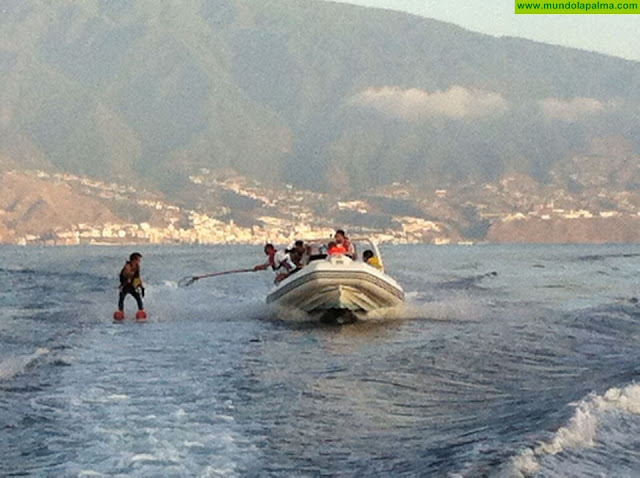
(337, 283)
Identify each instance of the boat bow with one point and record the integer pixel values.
(337, 282)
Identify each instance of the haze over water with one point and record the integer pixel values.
(506, 361)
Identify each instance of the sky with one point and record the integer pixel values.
(617, 35)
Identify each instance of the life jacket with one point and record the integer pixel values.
(374, 262)
(337, 249)
(134, 281)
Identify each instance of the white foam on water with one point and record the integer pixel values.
(97, 395)
(12, 366)
(626, 399)
(450, 309)
(89, 473)
(525, 463)
(211, 471)
(169, 303)
(143, 457)
(169, 284)
(224, 418)
(194, 444)
(460, 309)
(175, 444)
(582, 429)
(389, 313)
(206, 300)
(294, 316)
(117, 397)
(119, 432)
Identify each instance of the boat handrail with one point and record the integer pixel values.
(374, 246)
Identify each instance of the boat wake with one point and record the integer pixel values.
(12, 366)
(451, 310)
(168, 302)
(468, 282)
(589, 429)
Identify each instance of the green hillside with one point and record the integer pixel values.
(321, 95)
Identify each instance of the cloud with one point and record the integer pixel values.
(575, 109)
(415, 104)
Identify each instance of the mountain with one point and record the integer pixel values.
(33, 206)
(321, 96)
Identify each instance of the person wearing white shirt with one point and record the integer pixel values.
(279, 261)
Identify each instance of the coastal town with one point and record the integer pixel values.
(245, 212)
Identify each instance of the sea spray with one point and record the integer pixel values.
(582, 429)
(12, 366)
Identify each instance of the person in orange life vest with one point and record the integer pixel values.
(335, 248)
(344, 242)
(278, 261)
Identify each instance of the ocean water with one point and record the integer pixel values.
(506, 361)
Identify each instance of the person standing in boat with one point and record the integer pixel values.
(343, 241)
(279, 261)
(131, 283)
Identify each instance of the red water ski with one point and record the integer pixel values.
(141, 316)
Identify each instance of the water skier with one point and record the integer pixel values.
(131, 283)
